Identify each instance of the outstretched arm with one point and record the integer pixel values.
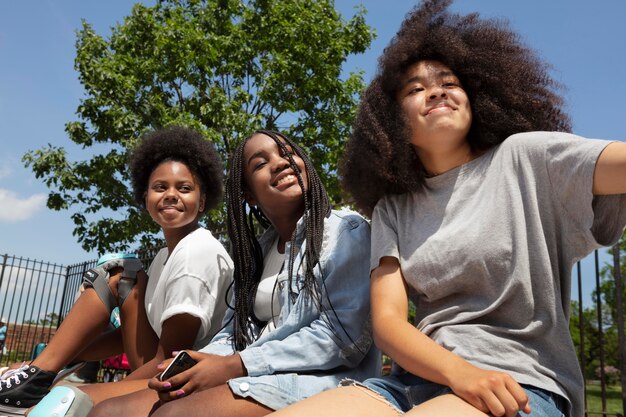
(489, 391)
(610, 173)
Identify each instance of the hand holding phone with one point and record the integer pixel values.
(181, 362)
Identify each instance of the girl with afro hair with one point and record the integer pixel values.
(480, 205)
(178, 304)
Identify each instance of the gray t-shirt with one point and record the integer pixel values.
(488, 248)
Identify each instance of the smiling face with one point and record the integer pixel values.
(174, 197)
(270, 181)
(437, 109)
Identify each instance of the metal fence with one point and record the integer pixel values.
(603, 324)
(35, 296)
(31, 293)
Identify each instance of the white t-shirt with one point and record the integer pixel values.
(193, 280)
(266, 304)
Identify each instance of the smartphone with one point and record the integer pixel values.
(182, 361)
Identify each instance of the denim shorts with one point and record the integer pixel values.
(405, 391)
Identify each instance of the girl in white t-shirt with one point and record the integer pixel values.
(177, 177)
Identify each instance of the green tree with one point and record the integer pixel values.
(607, 285)
(225, 67)
(591, 350)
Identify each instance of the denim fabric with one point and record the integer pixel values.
(310, 351)
(404, 391)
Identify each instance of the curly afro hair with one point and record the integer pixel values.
(509, 89)
(183, 145)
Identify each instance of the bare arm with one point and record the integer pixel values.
(177, 333)
(610, 174)
(488, 391)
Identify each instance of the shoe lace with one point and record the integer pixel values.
(14, 377)
(6, 374)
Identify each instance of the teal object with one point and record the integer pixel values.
(37, 349)
(115, 318)
(63, 401)
(115, 255)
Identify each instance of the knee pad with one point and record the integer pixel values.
(98, 278)
(63, 401)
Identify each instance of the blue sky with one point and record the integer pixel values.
(39, 89)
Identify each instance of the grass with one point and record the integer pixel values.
(13, 356)
(613, 399)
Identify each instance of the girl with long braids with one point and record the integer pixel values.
(480, 208)
(300, 322)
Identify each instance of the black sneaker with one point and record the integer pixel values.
(24, 388)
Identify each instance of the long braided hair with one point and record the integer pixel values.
(246, 251)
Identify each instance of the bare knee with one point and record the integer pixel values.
(168, 409)
(108, 408)
(350, 401)
(448, 405)
(115, 274)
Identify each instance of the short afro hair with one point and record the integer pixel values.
(183, 145)
(508, 86)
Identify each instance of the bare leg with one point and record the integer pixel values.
(358, 402)
(214, 402)
(342, 402)
(87, 319)
(104, 391)
(140, 344)
(141, 403)
(446, 406)
(140, 341)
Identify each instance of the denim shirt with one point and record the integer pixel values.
(303, 355)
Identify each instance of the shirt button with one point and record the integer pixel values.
(244, 386)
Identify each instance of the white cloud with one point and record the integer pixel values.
(14, 209)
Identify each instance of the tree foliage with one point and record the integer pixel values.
(593, 342)
(225, 67)
(607, 286)
(51, 320)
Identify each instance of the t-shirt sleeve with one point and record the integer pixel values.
(384, 239)
(193, 285)
(570, 163)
